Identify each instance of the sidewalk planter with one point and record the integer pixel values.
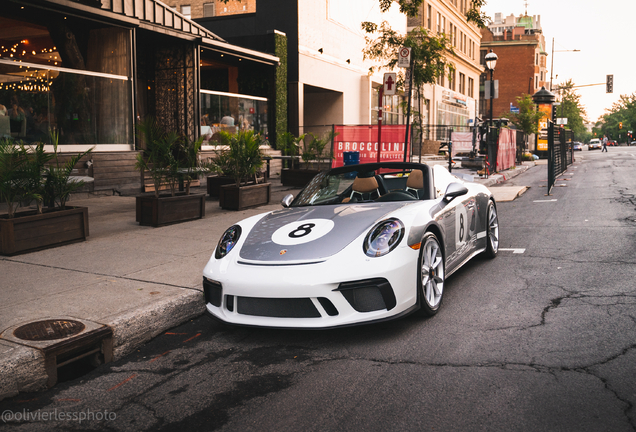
(297, 177)
(215, 183)
(165, 209)
(28, 231)
(239, 198)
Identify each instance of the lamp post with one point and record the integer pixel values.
(491, 62)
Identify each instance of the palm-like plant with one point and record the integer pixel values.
(58, 186)
(12, 162)
(158, 157)
(242, 158)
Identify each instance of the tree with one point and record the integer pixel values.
(412, 7)
(572, 109)
(527, 119)
(623, 111)
(428, 56)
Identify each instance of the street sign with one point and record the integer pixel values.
(562, 120)
(404, 57)
(390, 81)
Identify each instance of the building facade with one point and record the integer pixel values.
(328, 79)
(211, 8)
(453, 100)
(522, 61)
(89, 70)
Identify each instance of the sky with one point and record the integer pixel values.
(603, 32)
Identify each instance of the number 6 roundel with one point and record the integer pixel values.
(303, 231)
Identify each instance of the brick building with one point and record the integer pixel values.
(521, 66)
(212, 8)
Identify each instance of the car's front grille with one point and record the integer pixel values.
(277, 307)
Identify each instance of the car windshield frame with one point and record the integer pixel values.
(382, 182)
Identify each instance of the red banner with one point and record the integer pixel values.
(364, 140)
(507, 149)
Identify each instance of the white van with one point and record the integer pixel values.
(595, 144)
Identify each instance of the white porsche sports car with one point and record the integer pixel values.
(359, 244)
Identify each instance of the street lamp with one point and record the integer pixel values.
(491, 62)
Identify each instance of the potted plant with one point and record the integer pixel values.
(243, 158)
(223, 174)
(169, 159)
(24, 177)
(311, 150)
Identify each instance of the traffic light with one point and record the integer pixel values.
(620, 125)
(609, 84)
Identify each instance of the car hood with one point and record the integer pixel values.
(311, 234)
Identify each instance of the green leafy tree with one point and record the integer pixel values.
(527, 119)
(572, 109)
(412, 7)
(429, 56)
(623, 111)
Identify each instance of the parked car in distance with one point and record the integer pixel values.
(612, 143)
(577, 146)
(595, 144)
(633, 143)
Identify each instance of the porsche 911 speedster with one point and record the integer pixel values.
(359, 244)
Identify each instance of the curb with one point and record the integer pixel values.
(25, 369)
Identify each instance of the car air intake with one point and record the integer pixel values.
(369, 295)
(277, 307)
(213, 292)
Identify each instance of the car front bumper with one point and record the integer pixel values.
(334, 293)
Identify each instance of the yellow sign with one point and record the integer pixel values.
(542, 139)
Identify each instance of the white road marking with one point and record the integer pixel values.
(517, 251)
(550, 200)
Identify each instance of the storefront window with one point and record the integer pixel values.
(231, 112)
(391, 109)
(84, 95)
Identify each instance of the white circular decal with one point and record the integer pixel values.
(303, 231)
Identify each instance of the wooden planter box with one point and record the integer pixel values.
(233, 198)
(29, 231)
(215, 183)
(297, 177)
(165, 210)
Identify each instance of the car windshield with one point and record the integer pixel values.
(365, 185)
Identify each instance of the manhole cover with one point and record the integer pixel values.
(48, 330)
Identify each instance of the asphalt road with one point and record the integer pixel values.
(542, 338)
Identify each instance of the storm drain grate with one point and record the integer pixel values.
(48, 330)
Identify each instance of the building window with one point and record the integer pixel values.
(451, 81)
(536, 82)
(186, 11)
(444, 25)
(428, 18)
(471, 87)
(209, 9)
(439, 22)
(536, 59)
(462, 83)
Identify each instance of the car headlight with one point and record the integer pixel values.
(228, 241)
(383, 237)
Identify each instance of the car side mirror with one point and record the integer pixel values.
(287, 200)
(454, 190)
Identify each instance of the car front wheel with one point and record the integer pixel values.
(431, 275)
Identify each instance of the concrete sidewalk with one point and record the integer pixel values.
(136, 281)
